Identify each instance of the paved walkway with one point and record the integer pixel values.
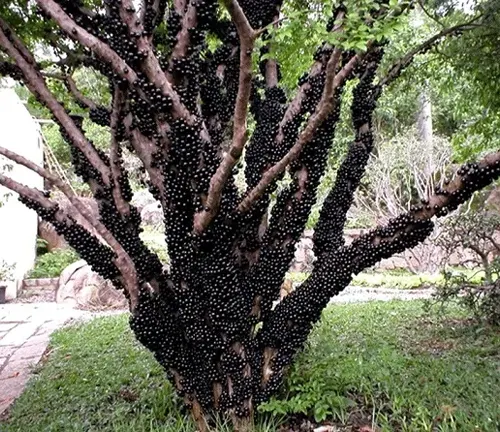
(25, 330)
(355, 294)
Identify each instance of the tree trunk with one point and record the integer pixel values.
(424, 121)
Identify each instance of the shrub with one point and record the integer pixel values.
(482, 300)
(475, 230)
(51, 264)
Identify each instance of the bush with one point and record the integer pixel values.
(51, 264)
(482, 300)
(476, 231)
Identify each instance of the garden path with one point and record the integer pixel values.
(25, 329)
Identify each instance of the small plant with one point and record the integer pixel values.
(51, 264)
(477, 229)
(6, 271)
(482, 300)
(41, 246)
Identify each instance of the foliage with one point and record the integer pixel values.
(6, 271)
(41, 246)
(51, 264)
(411, 371)
(482, 300)
(475, 230)
(155, 241)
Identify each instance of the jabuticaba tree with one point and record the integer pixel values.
(212, 320)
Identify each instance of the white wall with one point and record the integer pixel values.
(18, 225)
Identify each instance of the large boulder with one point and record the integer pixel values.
(81, 287)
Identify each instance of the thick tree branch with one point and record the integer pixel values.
(231, 158)
(328, 234)
(151, 66)
(286, 330)
(325, 107)
(36, 84)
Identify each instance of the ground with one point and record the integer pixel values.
(385, 366)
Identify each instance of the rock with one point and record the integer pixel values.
(152, 214)
(80, 286)
(304, 256)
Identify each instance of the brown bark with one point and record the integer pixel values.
(247, 40)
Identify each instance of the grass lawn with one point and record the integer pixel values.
(390, 362)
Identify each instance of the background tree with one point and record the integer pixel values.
(185, 78)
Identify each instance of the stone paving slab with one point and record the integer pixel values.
(25, 330)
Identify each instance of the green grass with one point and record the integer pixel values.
(407, 280)
(412, 371)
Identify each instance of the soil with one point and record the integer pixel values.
(37, 295)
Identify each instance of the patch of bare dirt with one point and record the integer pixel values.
(36, 295)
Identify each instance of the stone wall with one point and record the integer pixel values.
(425, 257)
(46, 284)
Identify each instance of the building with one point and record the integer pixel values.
(20, 133)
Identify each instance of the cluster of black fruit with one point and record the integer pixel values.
(10, 70)
(328, 233)
(291, 211)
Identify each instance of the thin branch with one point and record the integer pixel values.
(79, 96)
(493, 242)
(275, 23)
(396, 69)
(247, 40)
(151, 66)
(38, 87)
(325, 107)
(431, 16)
